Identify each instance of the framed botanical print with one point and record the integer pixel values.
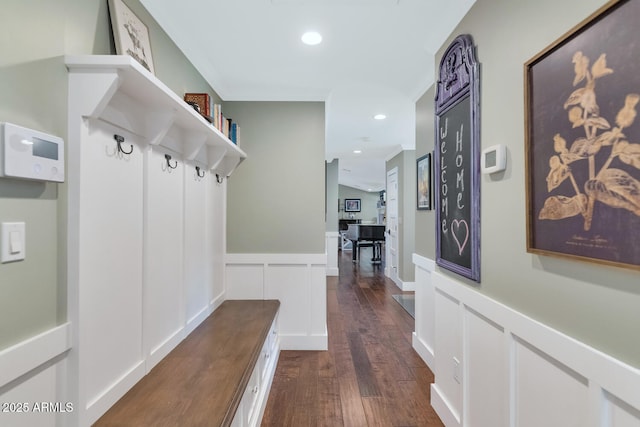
(583, 141)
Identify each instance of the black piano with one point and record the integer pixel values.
(366, 235)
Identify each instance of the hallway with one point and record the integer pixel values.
(370, 376)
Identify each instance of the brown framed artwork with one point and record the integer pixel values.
(583, 141)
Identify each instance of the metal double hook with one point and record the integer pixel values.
(119, 140)
(168, 158)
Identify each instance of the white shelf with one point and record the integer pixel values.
(118, 90)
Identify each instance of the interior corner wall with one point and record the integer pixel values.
(425, 235)
(595, 304)
(405, 161)
(331, 195)
(276, 196)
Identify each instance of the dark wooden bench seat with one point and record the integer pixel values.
(202, 381)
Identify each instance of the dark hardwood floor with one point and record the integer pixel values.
(370, 376)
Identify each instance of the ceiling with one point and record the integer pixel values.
(376, 56)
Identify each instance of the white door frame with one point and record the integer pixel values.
(392, 237)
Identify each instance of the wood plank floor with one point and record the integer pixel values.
(370, 376)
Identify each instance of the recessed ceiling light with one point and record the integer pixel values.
(311, 38)
(357, 151)
(379, 117)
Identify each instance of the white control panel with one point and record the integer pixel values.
(493, 159)
(29, 154)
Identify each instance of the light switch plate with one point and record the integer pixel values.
(13, 241)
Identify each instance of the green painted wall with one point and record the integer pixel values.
(331, 194)
(34, 35)
(275, 201)
(368, 204)
(425, 235)
(596, 304)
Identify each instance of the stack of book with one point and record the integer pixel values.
(226, 125)
(203, 104)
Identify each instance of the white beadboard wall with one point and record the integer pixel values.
(297, 280)
(513, 370)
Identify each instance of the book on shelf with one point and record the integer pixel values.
(202, 100)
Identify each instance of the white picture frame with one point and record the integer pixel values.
(130, 34)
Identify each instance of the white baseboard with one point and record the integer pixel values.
(424, 351)
(159, 352)
(304, 342)
(105, 400)
(443, 408)
(196, 320)
(333, 271)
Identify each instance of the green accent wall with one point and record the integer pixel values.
(598, 305)
(368, 204)
(275, 199)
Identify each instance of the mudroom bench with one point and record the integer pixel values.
(220, 375)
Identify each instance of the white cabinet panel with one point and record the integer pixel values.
(196, 264)
(163, 296)
(110, 254)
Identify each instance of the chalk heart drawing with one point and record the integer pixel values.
(460, 231)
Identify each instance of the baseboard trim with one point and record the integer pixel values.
(445, 411)
(101, 403)
(159, 352)
(333, 271)
(424, 351)
(304, 342)
(196, 320)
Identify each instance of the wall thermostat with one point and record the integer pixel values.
(29, 154)
(493, 159)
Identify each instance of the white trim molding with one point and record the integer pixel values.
(297, 280)
(32, 372)
(495, 366)
(331, 247)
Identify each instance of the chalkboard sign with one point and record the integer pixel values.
(457, 160)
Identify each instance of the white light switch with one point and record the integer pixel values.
(13, 241)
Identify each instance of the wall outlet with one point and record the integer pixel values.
(457, 373)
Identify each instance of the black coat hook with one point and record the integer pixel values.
(198, 172)
(119, 140)
(219, 178)
(168, 158)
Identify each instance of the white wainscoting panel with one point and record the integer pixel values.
(514, 371)
(30, 374)
(546, 391)
(448, 346)
(196, 263)
(164, 296)
(297, 280)
(332, 241)
(245, 281)
(424, 335)
(486, 371)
